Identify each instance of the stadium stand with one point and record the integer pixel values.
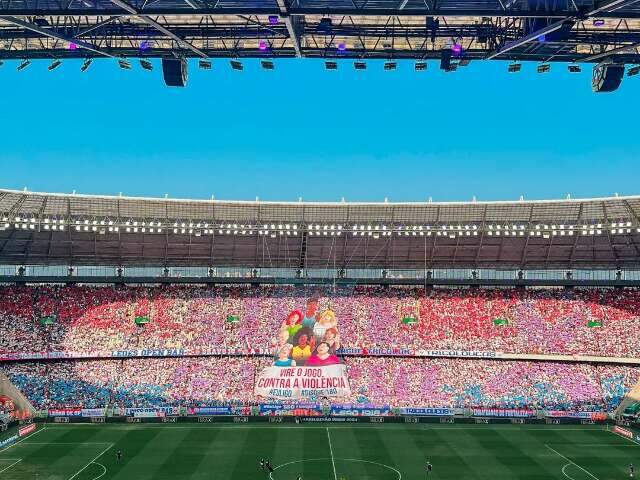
(391, 382)
(599, 322)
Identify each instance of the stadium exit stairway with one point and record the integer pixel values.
(631, 397)
(20, 401)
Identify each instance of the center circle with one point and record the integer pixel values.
(397, 473)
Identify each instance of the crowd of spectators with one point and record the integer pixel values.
(97, 320)
(394, 382)
(102, 319)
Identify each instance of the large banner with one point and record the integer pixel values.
(306, 365)
(428, 412)
(297, 383)
(503, 412)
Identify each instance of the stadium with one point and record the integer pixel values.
(159, 338)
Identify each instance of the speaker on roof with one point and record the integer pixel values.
(607, 77)
(445, 60)
(174, 71)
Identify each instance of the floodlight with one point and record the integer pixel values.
(420, 66)
(24, 64)
(236, 65)
(267, 64)
(359, 65)
(573, 68)
(388, 66)
(86, 65)
(633, 71)
(204, 64)
(146, 65)
(55, 64)
(514, 67)
(544, 68)
(123, 64)
(330, 65)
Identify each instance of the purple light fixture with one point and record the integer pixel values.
(342, 47)
(262, 45)
(273, 19)
(73, 46)
(456, 49)
(145, 44)
(599, 22)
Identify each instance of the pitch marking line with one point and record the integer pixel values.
(92, 461)
(341, 459)
(565, 473)
(571, 462)
(7, 468)
(54, 443)
(104, 470)
(335, 475)
(306, 426)
(626, 438)
(20, 441)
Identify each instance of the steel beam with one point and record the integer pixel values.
(291, 26)
(145, 18)
(340, 11)
(608, 53)
(526, 39)
(55, 35)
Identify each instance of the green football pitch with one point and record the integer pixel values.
(319, 452)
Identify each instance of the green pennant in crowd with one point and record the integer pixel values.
(50, 320)
(142, 320)
(233, 318)
(409, 320)
(594, 323)
(500, 321)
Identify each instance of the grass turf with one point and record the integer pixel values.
(320, 452)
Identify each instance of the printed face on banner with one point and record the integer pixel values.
(305, 363)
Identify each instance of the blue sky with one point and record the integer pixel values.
(300, 131)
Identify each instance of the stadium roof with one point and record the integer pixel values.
(42, 228)
(523, 30)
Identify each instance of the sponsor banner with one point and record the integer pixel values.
(65, 412)
(180, 352)
(93, 412)
(210, 411)
(623, 431)
(503, 412)
(330, 419)
(292, 409)
(8, 441)
(427, 412)
(456, 353)
(161, 352)
(303, 382)
(346, 411)
(571, 414)
(151, 412)
(378, 352)
(26, 430)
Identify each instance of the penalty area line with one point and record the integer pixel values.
(92, 461)
(22, 440)
(571, 462)
(7, 468)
